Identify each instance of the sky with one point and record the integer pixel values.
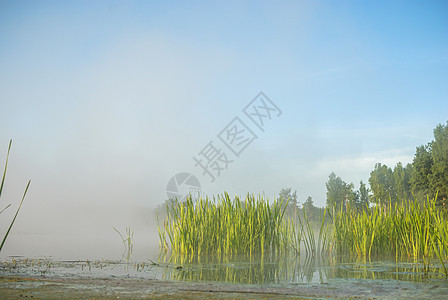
(108, 101)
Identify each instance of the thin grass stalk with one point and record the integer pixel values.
(15, 216)
(1, 191)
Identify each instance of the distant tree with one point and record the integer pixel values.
(382, 184)
(438, 177)
(402, 181)
(408, 169)
(339, 192)
(352, 196)
(288, 197)
(427, 175)
(308, 205)
(422, 165)
(335, 190)
(363, 195)
(160, 211)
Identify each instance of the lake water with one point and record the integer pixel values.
(315, 277)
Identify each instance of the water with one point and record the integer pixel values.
(304, 270)
(314, 277)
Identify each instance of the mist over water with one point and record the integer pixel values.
(85, 232)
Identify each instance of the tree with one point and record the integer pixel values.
(363, 195)
(382, 184)
(408, 169)
(313, 213)
(422, 165)
(402, 181)
(338, 192)
(308, 205)
(438, 177)
(286, 195)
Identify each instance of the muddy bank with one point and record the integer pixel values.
(16, 287)
(22, 278)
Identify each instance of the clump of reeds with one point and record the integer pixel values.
(405, 230)
(228, 227)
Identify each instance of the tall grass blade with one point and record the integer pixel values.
(15, 216)
(6, 167)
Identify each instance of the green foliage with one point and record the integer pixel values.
(308, 205)
(407, 229)
(422, 164)
(340, 194)
(382, 184)
(438, 178)
(338, 191)
(225, 227)
(313, 214)
(426, 175)
(363, 195)
(402, 176)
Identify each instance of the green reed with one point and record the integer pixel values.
(405, 230)
(225, 227)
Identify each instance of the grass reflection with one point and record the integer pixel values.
(413, 270)
(290, 269)
(243, 269)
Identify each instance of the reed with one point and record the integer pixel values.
(406, 230)
(225, 227)
(128, 243)
(1, 190)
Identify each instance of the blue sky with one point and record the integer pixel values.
(107, 100)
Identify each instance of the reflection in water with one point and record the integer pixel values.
(385, 268)
(244, 269)
(292, 270)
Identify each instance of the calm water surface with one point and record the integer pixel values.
(379, 277)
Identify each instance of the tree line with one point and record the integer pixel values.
(427, 175)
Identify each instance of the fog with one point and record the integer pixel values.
(107, 101)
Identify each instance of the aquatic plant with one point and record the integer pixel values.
(224, 227)
(128, 243)
(405, 230)
(1, 190)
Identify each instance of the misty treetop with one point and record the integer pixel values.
(340, 194)
(386, 183)
(293, 208)
(288, 197)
